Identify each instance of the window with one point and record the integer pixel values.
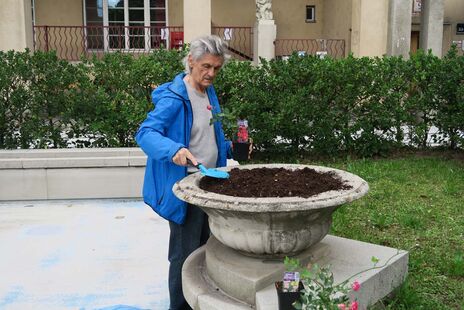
(460, 29)
(94, 22)
(310, 13)
(124, 24)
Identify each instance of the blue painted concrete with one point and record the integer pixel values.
(82, 254)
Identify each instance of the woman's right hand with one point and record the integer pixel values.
(180, 158)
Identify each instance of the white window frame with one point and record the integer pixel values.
(313, 8)
(147, 21)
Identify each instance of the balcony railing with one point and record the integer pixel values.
(239, 39)
(75, 42)
(321, 47)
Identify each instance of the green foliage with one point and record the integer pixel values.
(35, 99)
(362, 106)
(50, 89)
(456, 265)
(118, 101)
(422, 97)
(47, 102)
(320, 291)
(422, 217)
(15, 116)
(450, 93)
(116, 97)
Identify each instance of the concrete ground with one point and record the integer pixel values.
(82, 254)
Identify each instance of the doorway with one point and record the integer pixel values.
(414, 41)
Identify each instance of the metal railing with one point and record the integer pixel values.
(239, 39)
(321, 47)
(74, 42)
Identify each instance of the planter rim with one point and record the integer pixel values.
(188, 190)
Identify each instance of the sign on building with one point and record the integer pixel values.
(416, 6)
(460, 29)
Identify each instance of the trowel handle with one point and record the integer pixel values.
(190, 162)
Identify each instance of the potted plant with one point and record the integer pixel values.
(237, 129)
(241, 148)
(317, 289)
(288, 290)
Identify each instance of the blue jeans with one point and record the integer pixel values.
(183, 240)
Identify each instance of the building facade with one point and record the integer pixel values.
(252, 27)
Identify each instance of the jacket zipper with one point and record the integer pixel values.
(216, 134)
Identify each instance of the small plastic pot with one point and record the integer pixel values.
(286, 299)
(240, 151)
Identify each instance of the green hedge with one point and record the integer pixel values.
(365, 106)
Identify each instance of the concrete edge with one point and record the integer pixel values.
(72, 158)
(199, 291)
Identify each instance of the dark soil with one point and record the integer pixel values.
(273, 182)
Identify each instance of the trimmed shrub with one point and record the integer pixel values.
(364, 106)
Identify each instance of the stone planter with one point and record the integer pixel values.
(270, 227)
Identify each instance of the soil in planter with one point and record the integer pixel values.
(274, 182)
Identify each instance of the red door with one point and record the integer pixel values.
(177, 39)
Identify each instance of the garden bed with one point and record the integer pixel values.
(274, 182)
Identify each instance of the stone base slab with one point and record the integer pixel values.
(72, 173)
(217, 277)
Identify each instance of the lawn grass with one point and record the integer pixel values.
(415, 203)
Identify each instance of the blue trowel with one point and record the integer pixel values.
(210, 172)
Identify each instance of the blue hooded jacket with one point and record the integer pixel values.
(166, 130)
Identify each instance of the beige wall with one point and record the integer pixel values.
(369, 27)
(15, 25)
(337, 21)
(290, 19)
(238, 13)
(175, 13)
(68, 42)
(198, 20)
(334, 18)
(454, 14)
(59, 13)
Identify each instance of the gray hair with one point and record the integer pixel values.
(211, 44)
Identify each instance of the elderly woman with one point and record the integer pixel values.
(177, 131)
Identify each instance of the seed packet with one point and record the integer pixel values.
(291, 281)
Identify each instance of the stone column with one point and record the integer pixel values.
(16, 25)
(197, 19)
(369, 34)
(431, 32)
(265, 32)
(399, 28)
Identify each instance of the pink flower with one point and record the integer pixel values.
(354, 305)
(356, 286)
(341, 306)
(209, 107)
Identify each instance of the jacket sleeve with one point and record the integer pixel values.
(152, 134)
(229, 149)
